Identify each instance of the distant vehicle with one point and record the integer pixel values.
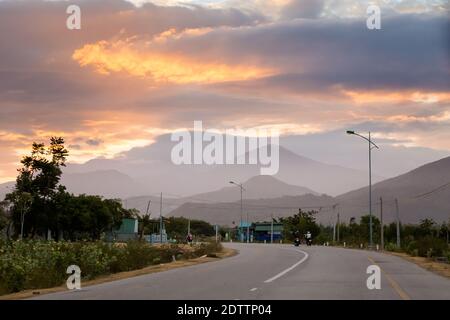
(189, 238)
(308, 238)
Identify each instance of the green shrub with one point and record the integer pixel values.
(32, 264)
(390, 246)
(427, 247)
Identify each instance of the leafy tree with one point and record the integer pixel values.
(301, 222)
(3, 216)
(426, 227)
(144, 223)
(39, 177)
(177, 227)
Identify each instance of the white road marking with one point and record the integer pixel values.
(282, 273)
(253, 289)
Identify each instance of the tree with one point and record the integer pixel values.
(39, 177)
(3, 216)
(144, 222)
(301, 222)
(426, 227)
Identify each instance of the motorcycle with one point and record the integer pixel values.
(296, 242)
(308, 242)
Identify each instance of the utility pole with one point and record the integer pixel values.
(334, 224)
(241, 224)
(382, 225)
(248, 228)
(148, 206)
(160, 220)
(271, 229)
(370, 192)
(398, 222)
(189, 226)
(371, 146)
(338, 222)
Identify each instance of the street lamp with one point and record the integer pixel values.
(242, 189)
(371, 146)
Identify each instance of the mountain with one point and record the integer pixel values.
(257, 209)
(6, 188)
(421, 193)
(152, 168)
(258, 187)
(107, 183)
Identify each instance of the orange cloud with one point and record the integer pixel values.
(397, 97)
(121, 56)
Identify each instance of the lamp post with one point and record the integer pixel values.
(371, 146)
(242, 189)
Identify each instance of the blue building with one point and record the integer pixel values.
(259, 231)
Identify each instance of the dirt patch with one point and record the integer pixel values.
(440, 268)
(225, 253)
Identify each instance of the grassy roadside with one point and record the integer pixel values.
(439, 268)
(224, 253)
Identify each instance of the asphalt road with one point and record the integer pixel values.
(264, 271)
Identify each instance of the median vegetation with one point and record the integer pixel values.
(426, 239)
(34, 264)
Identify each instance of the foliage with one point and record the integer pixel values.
(300, 223)
(32, 264)
(427, 247)
(177, 228)
(3, 217)
(44, 205)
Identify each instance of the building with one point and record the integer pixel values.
(261, 231)
(242, 231)
(128, 231)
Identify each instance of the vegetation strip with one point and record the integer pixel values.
(225, 253)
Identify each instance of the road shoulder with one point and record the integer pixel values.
(439, 268)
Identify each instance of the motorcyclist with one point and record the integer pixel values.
(297, 238)
(308, 237)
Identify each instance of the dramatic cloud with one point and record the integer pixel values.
(135, 72)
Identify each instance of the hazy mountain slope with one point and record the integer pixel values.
(6, 188)
(258, 187)
(107, 183)
(258, 210)
(412, 190)
(151, 166)
(406, 188)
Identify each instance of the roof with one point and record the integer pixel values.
(244, 224)
(268, 227)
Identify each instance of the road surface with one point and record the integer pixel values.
(264, 271)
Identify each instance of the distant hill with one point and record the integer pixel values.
(107, 183)
(258, 210)
(6, 188)
(152, 168)
(406, 187)
(258, 187)
(422, 193)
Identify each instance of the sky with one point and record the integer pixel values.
(140, 69)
